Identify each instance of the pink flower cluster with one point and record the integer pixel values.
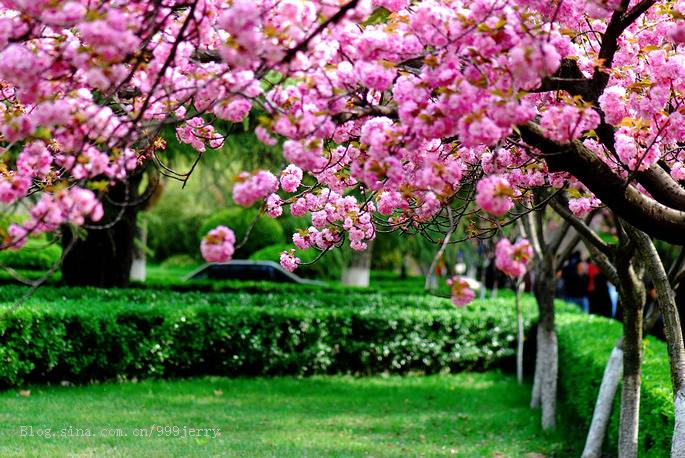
(581, 206)
(461, 292)
(251, 188)
(218, 245)
(289, 261)
(494, 195)
(291, 178)
(274, 205)
(567, 123)
(513, 259)
(198, 134)
(68, 206)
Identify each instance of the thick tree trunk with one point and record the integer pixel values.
(358, 271)
(546, 365)
(103, 258)
(604, 404)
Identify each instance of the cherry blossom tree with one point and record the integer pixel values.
(626, 264)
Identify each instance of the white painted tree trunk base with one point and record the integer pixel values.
(678, 444)
(138, 272)
(630, 416)
(356, 276)
(536, 394)
(605, 400)
(548, 380)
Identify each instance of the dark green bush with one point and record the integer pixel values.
(172, 228)
(266, 231)
(84, 334)
(585, 343)
(35, 255)
(329, 266)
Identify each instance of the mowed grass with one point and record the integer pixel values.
(463, 415)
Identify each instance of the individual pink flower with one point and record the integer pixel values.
(218, 245)
(494, 195)
(677, 32)
(289, 261)
(513, 259)
(461, 292)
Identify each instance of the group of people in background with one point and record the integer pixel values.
(581, 282)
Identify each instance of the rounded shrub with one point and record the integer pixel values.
(329, 266)
(265, 232)
(172, 232)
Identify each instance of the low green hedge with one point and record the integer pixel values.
(35, 255)
(82, 334)
(585, 343)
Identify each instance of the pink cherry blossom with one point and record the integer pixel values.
(218, 245)
(289, 261)
(251, 188)
(494, 195)
(513, 259)
(461, 293)
(274, 206)
(291, 178)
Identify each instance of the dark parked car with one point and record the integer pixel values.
(245, 270)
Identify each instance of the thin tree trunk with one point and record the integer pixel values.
(546, 366)
(520, 335)
(483, 289)
(431, 270)
(548, 380)
(604, 404)
(607, 392)
(672, 330)
(630, 390)
(536, 394)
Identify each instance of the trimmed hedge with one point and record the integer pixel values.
(585, 343)
(83, 334)
(37, 254)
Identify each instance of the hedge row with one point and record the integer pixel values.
(584, 347)
(389, 285)
(100, 336)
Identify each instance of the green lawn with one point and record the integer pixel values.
(468, 415)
